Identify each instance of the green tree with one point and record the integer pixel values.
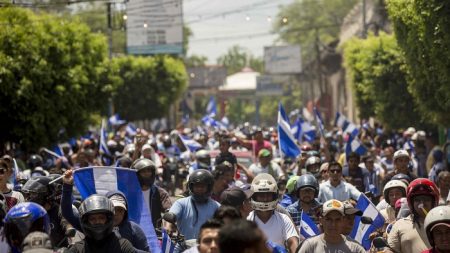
(54, 74)
(237, 58)
(298, 22)
(149, 86)
(195, 61)
(422, 29)
(376, 69)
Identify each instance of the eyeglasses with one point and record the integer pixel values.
(335, 171)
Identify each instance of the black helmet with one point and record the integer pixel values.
(403, 177)
(35, 161)
(200, 176)
(92, 205)
(37, 190)
(308, 180)
(141, 164)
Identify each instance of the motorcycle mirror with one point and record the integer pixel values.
(366, 220)
(379, 242)
(170, 217)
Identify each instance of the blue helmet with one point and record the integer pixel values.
(23, 219)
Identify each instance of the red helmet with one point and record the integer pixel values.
(421, 186)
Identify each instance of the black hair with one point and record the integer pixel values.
(227, 211)
(354, 155)
(238, 236)
(332, 164)
(211, 223)
(220, 170)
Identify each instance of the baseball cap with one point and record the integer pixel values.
(234, 196)
(264, 153)
(350, 209)
(291, 183)
(118, 201)
(37, 242)
(332, 205)
(400, 153)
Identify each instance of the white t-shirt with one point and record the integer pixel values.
(275, 170)
(146, 194)
(278, 229)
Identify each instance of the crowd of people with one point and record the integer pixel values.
(219, 204)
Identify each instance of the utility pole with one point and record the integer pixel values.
(109, 19)
(319, 66)
(364, 26)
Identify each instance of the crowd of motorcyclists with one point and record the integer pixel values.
(218, 202)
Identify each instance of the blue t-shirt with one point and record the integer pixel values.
(188, 220)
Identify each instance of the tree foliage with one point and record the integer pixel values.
(297, 22)
(236, 59)
(376, 69)
(195, 61)
(422, 29)
(53, 75)
(149, 86)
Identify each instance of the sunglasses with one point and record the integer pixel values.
(335, 171)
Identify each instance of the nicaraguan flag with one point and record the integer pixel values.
(319, 122)
(115, 120)
(286, 140)
(409, 145)
(101, 180)
(209, 121)
(296, 130)
(211, 108)
(167, 244)
(362, 231)
(308, 131)
(190, 144)
(103, 137)
(307, 226)
(348, 127)
(354, 145)
(131, 129)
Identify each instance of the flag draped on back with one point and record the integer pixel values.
(362, 231)
(101, 180)
(307, 226)
(286, 140)
(167, 245)
(354, 145)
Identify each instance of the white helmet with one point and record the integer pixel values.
(439, 214)
(263, 183)
(394, 184)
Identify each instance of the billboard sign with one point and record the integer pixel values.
(267, 85)
(283, 59)
(154, 27)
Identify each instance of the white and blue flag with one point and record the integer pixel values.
(307, 226)
(131, 129)
(286, 140)
(362, 231)
(115, 120)
(319, 122)
(211, 108)
(347, 127)
(296, 130)
(308, 131)
(103, 147)
(354, 145)
(167, 245)
(190, 144)
(101, 180)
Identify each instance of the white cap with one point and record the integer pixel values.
(333, 205)
(118, 201)
(400, 153)
(410, 131)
